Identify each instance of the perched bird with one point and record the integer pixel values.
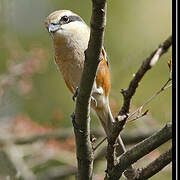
(70, 36)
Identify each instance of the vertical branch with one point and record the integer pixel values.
(82, 112)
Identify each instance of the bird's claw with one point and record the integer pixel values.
(75, 94)
(74, 123)
(94, 101)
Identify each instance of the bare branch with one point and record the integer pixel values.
(139, 116)
(84, 149)
(140, 150)
(164, 87)
(130, 138)
(100, 143)
(155, 166)
(146, 65)
(122, 117)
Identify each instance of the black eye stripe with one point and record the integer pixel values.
(74, 18)
(70, 19)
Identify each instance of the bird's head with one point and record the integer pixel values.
(65, 24)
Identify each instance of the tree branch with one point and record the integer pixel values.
(84, 149)
(146, 65)
(155, 166)
(164, 87)
(130, 138)
(140, 150)
(122, 117)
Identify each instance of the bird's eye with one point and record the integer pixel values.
(65, 19)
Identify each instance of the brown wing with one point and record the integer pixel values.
(103, 75)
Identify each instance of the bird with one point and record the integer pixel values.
(70, 36)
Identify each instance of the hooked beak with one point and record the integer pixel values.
(52, 28)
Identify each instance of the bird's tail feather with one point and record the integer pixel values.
(105, 116)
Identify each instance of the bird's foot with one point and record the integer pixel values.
(75, 125)
(94, 101)
(75, 94)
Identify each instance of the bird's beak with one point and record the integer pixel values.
(52, 28)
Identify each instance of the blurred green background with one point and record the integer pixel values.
(134, 29)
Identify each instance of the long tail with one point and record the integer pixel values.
(105, 116)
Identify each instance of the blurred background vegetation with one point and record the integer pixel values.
(33, 95)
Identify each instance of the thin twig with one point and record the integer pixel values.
(122, 117)
(164, 87)
(146, 65)
(133, 137)
(101, 142)
(139, 116)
